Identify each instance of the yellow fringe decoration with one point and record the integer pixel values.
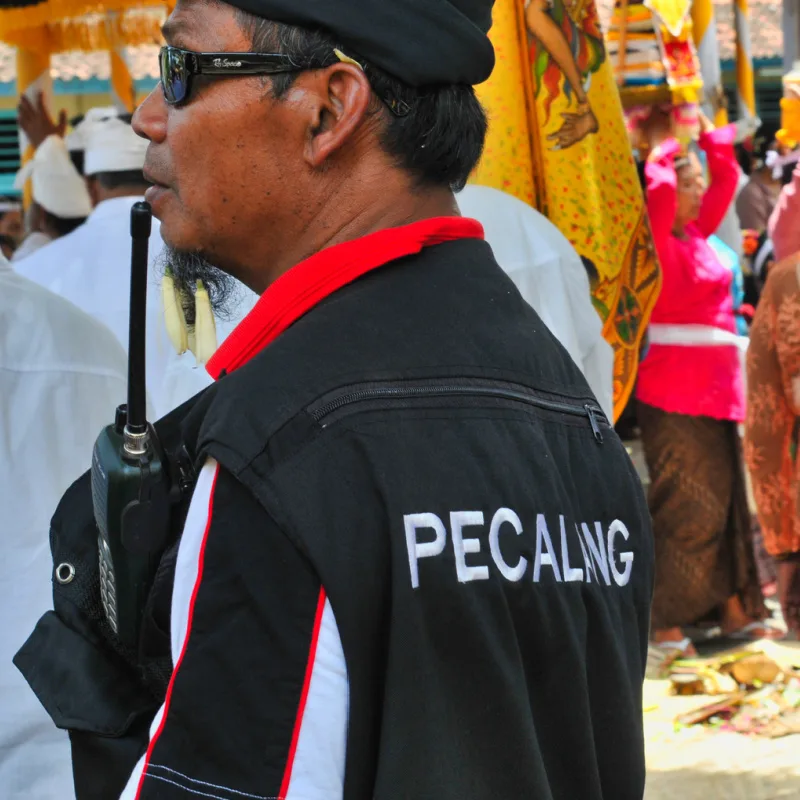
(61, 25)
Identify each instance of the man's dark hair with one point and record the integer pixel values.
(439, 141)
(744, 157)
(764, 140)
(77, 158)
(132, 178)
(61, 225)
(76, 155)
(640, 171)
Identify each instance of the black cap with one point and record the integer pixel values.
(421, 42)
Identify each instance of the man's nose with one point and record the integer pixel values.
(150, 118)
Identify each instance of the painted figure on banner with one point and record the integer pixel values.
(565, 52)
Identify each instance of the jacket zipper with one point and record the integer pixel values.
(347, 397)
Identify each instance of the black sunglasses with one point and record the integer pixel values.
(178, 66)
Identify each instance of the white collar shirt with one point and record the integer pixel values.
(33, 243)
(91, 267)
(62, 374)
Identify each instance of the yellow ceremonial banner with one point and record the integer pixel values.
(507, 162)
(557, 138)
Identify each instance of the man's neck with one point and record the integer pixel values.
(330, 226)
(376, 217)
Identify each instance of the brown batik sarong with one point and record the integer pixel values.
(701, 522)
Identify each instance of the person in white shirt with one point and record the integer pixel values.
(90, 267)
(61, 200)
(62, 374)
(550, 276)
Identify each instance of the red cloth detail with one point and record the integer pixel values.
(297, 291)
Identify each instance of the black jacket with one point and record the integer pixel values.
(418, 564)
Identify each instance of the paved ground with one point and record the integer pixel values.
(701, 764)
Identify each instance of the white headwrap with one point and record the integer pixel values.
(111, 146)
(76, 138)
(57, 186)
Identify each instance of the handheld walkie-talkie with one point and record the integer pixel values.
(130, 479)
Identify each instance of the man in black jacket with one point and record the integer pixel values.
(417, 562)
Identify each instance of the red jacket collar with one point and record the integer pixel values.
(311, 281)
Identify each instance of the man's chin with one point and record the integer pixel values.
(177, 232)
(180, 239)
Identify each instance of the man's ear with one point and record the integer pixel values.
(342, 96)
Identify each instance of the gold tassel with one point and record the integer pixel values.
(205, 329)
(173, 314)
(192, 343)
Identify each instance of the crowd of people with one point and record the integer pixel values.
(374, 366)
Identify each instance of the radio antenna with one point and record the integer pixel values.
(136, 432)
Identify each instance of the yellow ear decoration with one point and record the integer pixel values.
(346, 59)
(205, 329)
(192, 342)
(173, 314)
